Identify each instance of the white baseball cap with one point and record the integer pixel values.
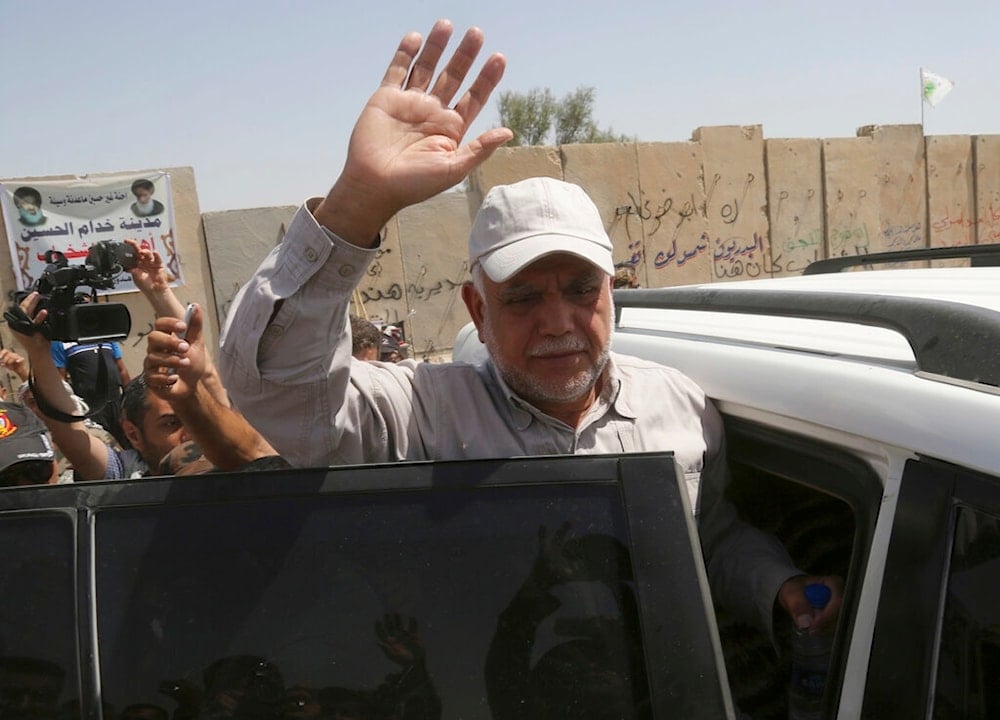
(518, 224)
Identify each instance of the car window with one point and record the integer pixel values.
(416, 604)
(38, 669)
(968, 668)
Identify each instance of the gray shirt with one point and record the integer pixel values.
(285, 358)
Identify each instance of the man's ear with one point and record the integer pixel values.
(132, 432)
(475, 305)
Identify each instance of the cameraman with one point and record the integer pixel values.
(149, 423)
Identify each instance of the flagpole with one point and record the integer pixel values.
(922, 131)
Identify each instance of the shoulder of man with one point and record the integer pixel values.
(133, 466)
(636, 375)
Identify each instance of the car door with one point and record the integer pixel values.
(569, 585)
(936, 648)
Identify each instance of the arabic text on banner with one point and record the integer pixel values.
(69, 216)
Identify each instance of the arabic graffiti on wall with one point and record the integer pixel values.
(663, 215)
(69, 216)
(423, 289)
(969, 230)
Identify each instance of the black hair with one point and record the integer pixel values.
(30, 194)
(142, 184)
(135, 400)
(364, 334)
(26, 472)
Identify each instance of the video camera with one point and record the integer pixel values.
(75, 316)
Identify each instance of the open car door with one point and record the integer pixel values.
(531, 587)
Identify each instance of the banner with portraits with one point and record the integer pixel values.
(60, 220)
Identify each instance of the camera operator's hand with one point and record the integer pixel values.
(174, 366)
(35, 342)
(151, 277)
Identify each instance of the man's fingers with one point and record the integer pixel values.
(399, 67)
(195, 326)
(423, 69)
(453, 75)
(476, 97)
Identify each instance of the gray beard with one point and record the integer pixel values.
(536, 391)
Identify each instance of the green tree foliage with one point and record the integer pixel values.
(530, 116)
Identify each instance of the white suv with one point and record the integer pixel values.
(863, 419)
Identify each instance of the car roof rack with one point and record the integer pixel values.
(950, 339)
(978, 255)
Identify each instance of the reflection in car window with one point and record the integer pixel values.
(381, 605)
(38, 669)
(968, 676)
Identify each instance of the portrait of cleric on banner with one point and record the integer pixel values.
(64, 219)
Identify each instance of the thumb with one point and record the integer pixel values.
(195, 326)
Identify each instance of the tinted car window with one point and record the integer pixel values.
(276, 608)
(969, 660)
(38, 668)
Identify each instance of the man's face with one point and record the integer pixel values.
(143, 195)
(31, 214)
(548, 330)
(160, 432)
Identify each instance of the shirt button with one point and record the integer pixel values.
(346, 270)
(274, 331)
(311, 254)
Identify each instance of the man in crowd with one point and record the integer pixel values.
(26, 453)
(365, 339)
(541, 300)
(97, 374)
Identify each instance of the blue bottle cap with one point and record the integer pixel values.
(818, 595)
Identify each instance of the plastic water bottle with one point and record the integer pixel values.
(810, 663)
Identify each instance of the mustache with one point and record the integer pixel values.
(556, 346)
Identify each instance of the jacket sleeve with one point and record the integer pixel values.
(285, 356)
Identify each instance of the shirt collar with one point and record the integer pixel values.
(611, 397)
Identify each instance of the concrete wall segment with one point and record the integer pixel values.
(902, 186)
(850, 166)
(736, 201)
(795, 203)
(665, 220)
(951, 200)
(987, 164)
(237, 241)
(606, 171)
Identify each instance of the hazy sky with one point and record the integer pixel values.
(260, 97)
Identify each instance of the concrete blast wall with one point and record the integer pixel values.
(727, 205)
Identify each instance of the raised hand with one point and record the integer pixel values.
(400, 643)
(14, 362)
(149, 273)
(557, 560)
(174, 366)
(407, 144)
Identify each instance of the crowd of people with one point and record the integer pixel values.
(301, 382)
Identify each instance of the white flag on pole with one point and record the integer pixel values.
(934, 87)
